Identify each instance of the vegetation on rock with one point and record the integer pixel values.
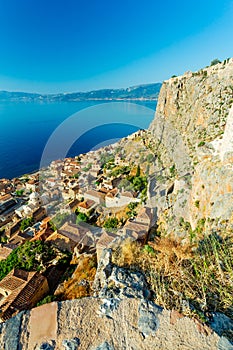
(80, 283)
(30, 256)
(193, 278)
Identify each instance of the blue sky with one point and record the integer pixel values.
(79, 45)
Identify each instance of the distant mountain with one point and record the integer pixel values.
(144, 92)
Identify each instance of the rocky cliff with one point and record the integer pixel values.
(193, 133)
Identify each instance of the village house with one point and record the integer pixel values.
(95, 169)
(6, 249)
(138, 229)
(5, 197)
(70, 236)
(23, 211)
(20, 290)
(32, 185)
(68, 173)
(87, 207)
(73, 204)
(51, 182)
(45, 198)
(71, 164)
(26, 210)
(21, 237)
(112, 198)
(56, 167)
(7, 210)
(39, 214)
(109, 183)
(96, 196)
(13, 229)
(32, 230)
(45, 230)
(19, 187)
(145, 216)
(73, 191)
(5, 186)
(65, 195)
(105, 241)
(55, 194)
(56, 164)
(117, 199)
(120, 160)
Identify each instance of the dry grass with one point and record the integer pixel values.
(192, 279)
(80, 284)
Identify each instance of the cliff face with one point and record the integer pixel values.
(193, 133)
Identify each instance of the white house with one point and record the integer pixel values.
(119, 199)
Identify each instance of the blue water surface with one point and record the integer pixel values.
(27, 126)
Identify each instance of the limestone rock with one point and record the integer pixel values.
(130, 324)
(46, 346)
(104, 346)
(71, 344)
(193, 133)
(115, 282)
(221, 323)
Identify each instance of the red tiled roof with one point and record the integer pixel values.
(87, 204)
(23, 286)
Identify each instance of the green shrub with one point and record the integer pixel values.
(19, 192)
(46, 300)
(215, 61)
(81, 217)
(148, 249)
(172, 170)
(26, 223)
(111, 224)
(30, 256)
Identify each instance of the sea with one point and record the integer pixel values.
(32, 134)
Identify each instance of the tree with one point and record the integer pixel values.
(30, 256)
(111, 224)
(19, 192)
(131, 212)
(215, 61)
(26, 223)
(81, 217)
(138, 183)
